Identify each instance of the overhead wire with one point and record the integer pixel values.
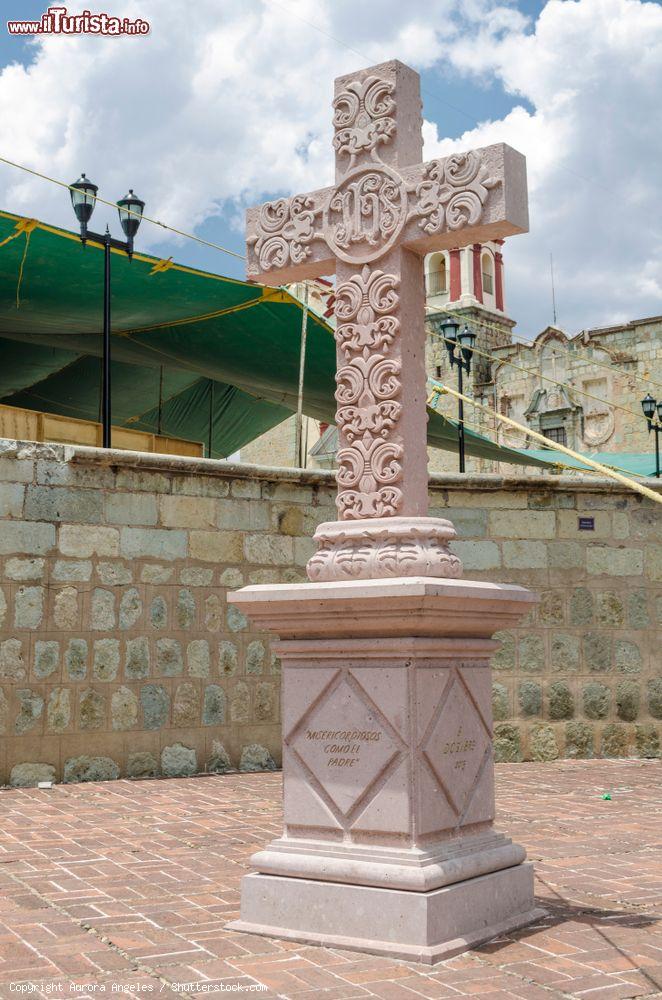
(598, 466)
(537, 374)
(438, 391)
(112, 204)
(614, 369)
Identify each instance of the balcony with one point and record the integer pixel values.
(435, 282)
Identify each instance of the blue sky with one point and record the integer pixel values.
(230, 105)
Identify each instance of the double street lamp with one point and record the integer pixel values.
(460, 352)
(130, 209)
(649, 406)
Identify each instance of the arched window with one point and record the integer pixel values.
(437, 276)
(487, 268)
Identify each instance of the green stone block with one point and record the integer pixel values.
(158, 612)
(185, 609)
(647, 741)
(564, 653)
(529, 697)
(86, 768)
(255, 654)
(627, 701)
(131, 608)
(627, 656)
(578, 739)
(581, 607)
(543, 743)
(500, 702)
(655, 697)
(597, 651)
(638, 616)
(213, 710)
(504, 658)
(91, 709)
(136, 658)
(610, 610)
(561, 701)
(46, 658)
(31, 706)
(156, 705)
(596, 698)
(532, 654)
(76, 659)
(507, 743)
(615, 740)
(551, 609)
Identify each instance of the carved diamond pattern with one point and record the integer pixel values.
(456, 747)
(343, 711)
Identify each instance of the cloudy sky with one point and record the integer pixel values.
(227, 102)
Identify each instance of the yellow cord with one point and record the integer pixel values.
(645, 381)
(614, 369)
(546, 378)
(438, 391)
(604, 469)
(20, 270)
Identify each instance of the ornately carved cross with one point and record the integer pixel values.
(386, 211)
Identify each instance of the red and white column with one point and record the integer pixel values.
(498, 277)
(477, 275)
(456, 281)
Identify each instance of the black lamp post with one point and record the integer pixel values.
(460, 352)
(130, 208)
(649, 406)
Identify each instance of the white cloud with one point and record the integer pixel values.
(223, 102)
(592, 71)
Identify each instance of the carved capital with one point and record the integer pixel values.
(384, 547)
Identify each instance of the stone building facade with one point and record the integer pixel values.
(119, 654)
(584, 391)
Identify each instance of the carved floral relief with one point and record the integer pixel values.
(453, 193)
(368, 387)
(285, 230)
(363, 118)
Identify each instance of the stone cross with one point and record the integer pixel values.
(388, 784)
(385, 211)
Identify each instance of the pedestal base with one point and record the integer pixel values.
(388, 787)
(419, 926)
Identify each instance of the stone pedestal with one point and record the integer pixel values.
(388, 842)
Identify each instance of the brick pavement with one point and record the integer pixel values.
(130, 884)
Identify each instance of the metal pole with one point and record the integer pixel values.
(211, 418)
(657, 452)
(298, 436)
(160, 421)
(460, 426)
(105, 386)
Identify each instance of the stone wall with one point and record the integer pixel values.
(120, 655)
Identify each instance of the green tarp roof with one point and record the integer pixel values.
(623, 461)
(217, 346)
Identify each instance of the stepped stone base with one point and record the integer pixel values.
(420, 926)
(389, 843)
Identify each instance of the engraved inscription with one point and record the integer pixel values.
(342, 747)
(457, 745)
(345, 761)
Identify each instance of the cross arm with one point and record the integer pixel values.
(284, 239)
(466, 198)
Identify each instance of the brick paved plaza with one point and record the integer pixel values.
(130, 883)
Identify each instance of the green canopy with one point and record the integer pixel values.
(210, 348)
(628, 462)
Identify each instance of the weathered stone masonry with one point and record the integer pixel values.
(120, 655)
